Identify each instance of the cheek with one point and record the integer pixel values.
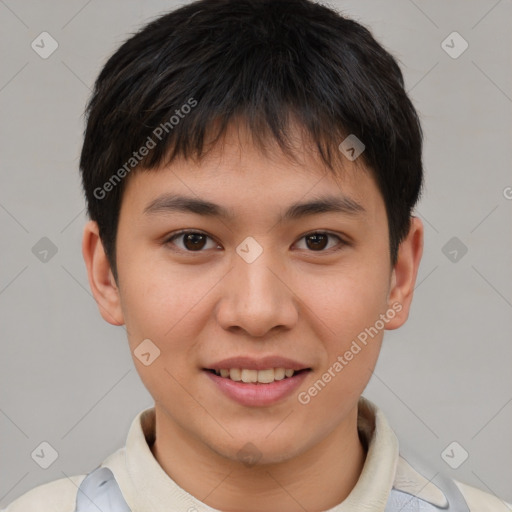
(347, 300)
(159, 307)
(351, 341)
(349, 305)
(155, 298)
(167, 306)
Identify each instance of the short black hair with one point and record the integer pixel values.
(192, 71)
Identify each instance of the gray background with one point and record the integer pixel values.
(67, 376)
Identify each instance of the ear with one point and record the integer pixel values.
(403, 277)
(101, 279)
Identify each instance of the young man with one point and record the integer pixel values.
(250, 169)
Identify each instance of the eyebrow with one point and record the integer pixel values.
(321, 204)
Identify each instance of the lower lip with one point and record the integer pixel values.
(256, 394)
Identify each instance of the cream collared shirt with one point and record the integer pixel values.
(147, 488)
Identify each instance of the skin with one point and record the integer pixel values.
(294, 300)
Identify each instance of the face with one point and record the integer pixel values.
(255, 283)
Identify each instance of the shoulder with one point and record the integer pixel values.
(440, 490)
(57, 496)
(481, 501)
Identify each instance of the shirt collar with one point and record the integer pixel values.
(147, 488)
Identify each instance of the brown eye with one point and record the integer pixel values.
(192, 241)
(318, 241)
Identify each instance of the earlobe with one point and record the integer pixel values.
(101, 279)
(405, 271)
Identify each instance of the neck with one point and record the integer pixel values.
(316, 479)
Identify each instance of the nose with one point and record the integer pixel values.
(256, 298)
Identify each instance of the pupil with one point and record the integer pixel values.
(194, 243)
(315, 238)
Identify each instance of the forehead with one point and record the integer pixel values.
(236, 176)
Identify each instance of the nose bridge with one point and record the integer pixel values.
(257, 286)
(256, 297)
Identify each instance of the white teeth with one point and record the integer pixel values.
(251, 376)
(234, 374)
(266, 376)
(279, 373)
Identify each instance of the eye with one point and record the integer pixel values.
(193, 241)
(318, 240)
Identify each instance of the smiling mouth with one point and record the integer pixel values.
(247, 376)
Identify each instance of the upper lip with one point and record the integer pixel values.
(262, 363)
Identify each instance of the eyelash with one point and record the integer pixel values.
(341, 244)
